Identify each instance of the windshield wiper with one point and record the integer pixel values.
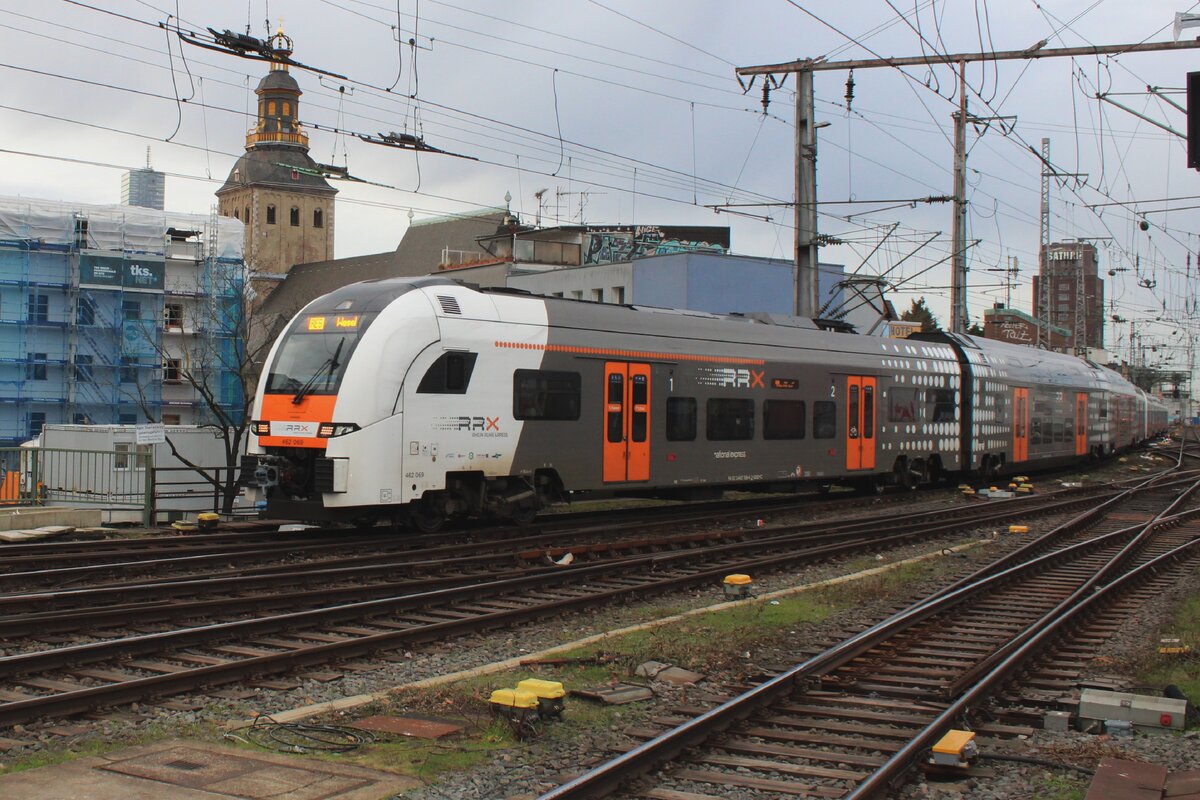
(329, 364)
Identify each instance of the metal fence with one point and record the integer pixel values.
(180, 491)
(123, 482)
(106, 479)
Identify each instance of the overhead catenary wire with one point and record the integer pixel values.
(518, 151)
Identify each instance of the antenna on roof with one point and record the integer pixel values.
(540, 194)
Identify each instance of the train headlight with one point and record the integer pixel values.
(261, 428)
(330, 429)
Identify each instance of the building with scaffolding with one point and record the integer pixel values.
(117, 315)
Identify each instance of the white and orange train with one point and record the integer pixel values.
(423, 399)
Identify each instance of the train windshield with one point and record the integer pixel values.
(313, 355)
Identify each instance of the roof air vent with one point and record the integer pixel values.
(449, 304)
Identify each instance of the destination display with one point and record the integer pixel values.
(319, 323)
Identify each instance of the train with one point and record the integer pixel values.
(418, 400)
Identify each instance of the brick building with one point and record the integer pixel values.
(1070, 287)
(1010, 325)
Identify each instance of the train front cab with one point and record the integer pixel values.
(327, 419)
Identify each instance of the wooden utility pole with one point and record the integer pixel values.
(805, 280)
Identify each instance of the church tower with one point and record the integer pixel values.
(288, 211)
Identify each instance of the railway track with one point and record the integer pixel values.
(184, 641)
(852, 720)
(73, 562)
(224, 595)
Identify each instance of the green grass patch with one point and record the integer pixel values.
(60, 755)
(711, 641)
(97, 745)
(484, 737)
(891, 583)
(1060, 787)
(1182, 670)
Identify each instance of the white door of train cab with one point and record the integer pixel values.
(860, 422)
(626, 422)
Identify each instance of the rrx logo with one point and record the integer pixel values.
(478, 423)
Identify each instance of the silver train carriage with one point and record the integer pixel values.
(422, 399)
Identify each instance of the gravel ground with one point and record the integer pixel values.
(536, 766)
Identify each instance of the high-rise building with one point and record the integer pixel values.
(144, 187)
(116, 315)
(275, 188)
(1069, 294)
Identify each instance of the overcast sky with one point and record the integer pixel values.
(630, 111)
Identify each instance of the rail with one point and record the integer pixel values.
(604, 779)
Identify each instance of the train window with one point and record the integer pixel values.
(783, 419)
(852, 413)
(1060, 432)
(1103, 410)
(541, 394)
(902, 405)
(941, 404)
(615, 408)
(637, 420)
(681, 419)
(1035, 432)
(824, 419)
(450, 374)
(868, 427)
(730, 419)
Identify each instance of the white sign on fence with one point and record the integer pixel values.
(154, 433)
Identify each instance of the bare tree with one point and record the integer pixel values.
(228, 342)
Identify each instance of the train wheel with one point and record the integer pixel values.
(524, 515)
(916, 474)
(426, 517)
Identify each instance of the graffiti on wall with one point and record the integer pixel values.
(1015, 332)
(607, 247)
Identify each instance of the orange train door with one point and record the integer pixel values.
(626, 422)
(1081, 420)
(860, 422)
(1020, 425)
